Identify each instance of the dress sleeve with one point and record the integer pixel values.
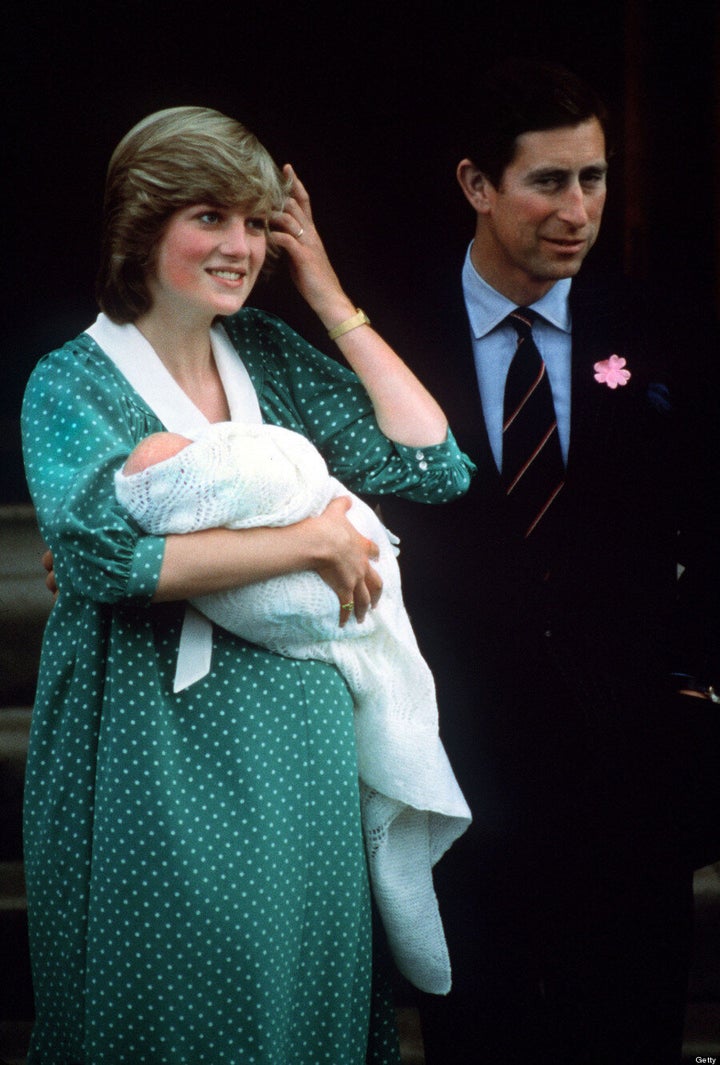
(306, 390)
(78, 427)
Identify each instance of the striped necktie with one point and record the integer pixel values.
(533, 472)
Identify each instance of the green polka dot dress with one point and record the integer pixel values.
(197, 888)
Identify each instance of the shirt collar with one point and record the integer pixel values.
(487, 307)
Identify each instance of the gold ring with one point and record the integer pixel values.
(347, 606)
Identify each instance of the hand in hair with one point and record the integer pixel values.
(293, 230)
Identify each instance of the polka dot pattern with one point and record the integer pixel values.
(303, 389)
(196, 878)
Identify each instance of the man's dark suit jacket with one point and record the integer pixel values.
(554, 680)
(592, 786)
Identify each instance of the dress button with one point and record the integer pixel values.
(548, 633)
(419, 455)
(423, 465)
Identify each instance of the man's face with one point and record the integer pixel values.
(542, 220)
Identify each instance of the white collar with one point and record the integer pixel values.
(140, 364)
(488, 308)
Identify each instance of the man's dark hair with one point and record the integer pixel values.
(524, 96)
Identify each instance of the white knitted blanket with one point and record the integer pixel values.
(245, 475)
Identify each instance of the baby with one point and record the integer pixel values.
(247, 475)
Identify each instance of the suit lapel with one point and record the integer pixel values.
(460, 393)
(597, 333)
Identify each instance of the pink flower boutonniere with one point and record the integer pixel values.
(612, 372)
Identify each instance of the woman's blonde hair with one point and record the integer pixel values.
(171, 159)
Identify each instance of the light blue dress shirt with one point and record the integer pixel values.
(494, 342)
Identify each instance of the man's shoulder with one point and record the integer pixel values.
(613, 313)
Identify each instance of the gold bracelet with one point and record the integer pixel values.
(350, 323)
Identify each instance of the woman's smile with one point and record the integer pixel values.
(227, 275)
(208, 259)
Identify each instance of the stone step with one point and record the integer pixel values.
(14, 733)
(705, 974)
(16, 998)
(24, 603)
(12, 888)
(702, 1032)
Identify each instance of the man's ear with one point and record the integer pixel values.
(475, 185)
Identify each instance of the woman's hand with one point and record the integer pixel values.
(343, 560)
(49, 567)
(214, 560)
(405, 410)
(294, 231)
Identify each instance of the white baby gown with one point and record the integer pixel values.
(250, 475)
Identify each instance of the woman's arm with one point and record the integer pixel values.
(200, 563)
(77, 431)
(405, 410)
(214, 560)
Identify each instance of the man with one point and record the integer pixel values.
(550, 619)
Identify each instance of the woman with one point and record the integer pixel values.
(196, 879)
